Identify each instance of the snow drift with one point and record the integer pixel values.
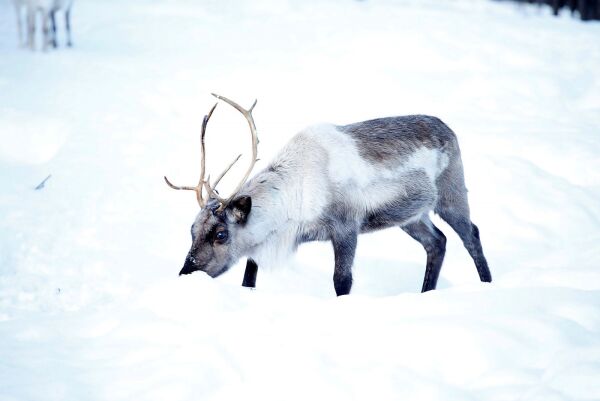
(90, 303)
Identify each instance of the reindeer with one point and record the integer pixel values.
(331, 183)
(47, 10)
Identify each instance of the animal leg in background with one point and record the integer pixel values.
(53, 28)
(68, 26)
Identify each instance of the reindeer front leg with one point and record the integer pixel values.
(250, 274)
(53, 40)
(19, 25)
(344, 241)
(31, 27)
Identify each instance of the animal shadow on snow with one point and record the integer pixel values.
(388, 277)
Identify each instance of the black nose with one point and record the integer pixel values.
(188, 267)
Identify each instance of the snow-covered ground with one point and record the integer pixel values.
(91, 307)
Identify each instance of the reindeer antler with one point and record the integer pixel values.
(210, 189)
(201, 182)
(248, 115)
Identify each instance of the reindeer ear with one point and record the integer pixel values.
(241, 208)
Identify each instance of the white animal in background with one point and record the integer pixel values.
(47, 10)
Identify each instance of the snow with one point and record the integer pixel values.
(91, 307)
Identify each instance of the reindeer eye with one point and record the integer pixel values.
(221, 236)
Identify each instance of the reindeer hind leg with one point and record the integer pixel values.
(453, 207)
(434, 242)
(68, 26)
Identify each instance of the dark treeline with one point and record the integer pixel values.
(587, 9)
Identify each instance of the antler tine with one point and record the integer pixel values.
(196, 189)
(226, 170)
(211, 192)
(201, 182)
(248, 115)
(176, 187)
(253, 104)
(201, 200)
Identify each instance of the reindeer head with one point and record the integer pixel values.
(217, 233)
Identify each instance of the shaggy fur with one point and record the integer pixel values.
(331, 183)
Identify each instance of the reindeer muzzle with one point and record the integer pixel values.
(188, 267)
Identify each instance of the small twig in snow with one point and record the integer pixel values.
(41, 184)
